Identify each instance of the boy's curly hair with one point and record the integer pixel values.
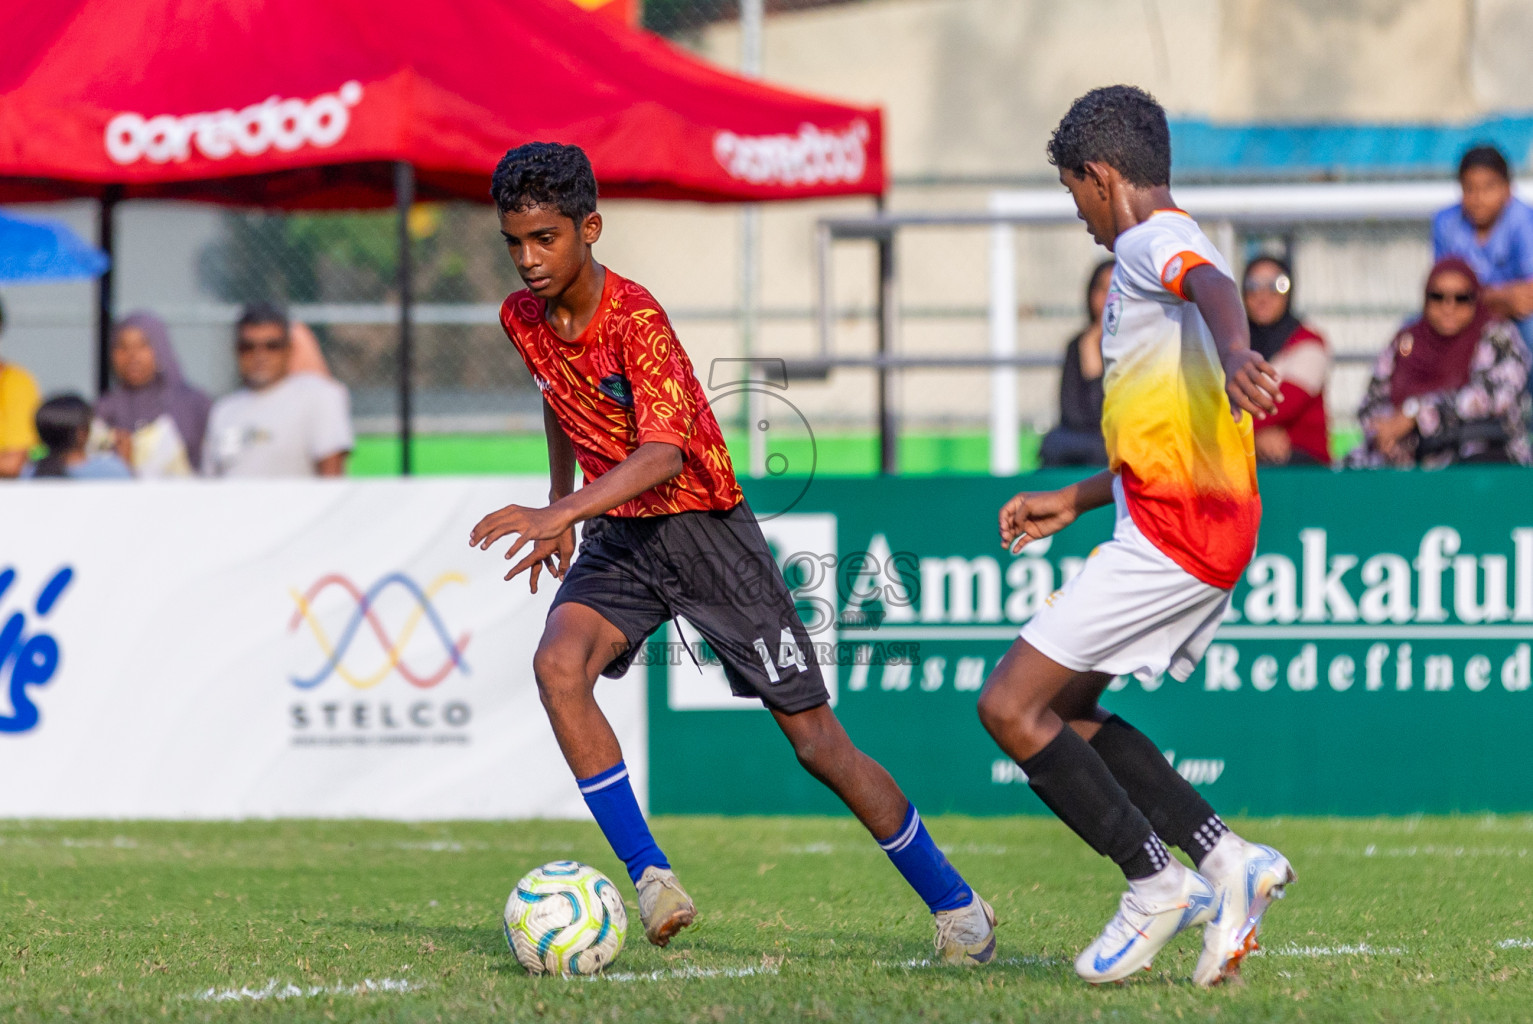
(1118, 125)
(545, 174)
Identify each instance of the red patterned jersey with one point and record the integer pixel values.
(626, 380)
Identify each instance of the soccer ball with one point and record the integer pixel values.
(565, 918)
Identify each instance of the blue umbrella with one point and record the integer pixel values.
(45, 250)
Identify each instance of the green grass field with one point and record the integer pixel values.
(801, 919)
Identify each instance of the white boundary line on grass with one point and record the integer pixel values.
(1318, 952)
(275, 989)
(684, 974)
(1515, 944)
(1011, 961)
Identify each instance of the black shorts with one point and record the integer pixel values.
(715, 569)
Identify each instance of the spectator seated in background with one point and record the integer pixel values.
(1077, 440)
(280, 424)
(1451, 387)
(18, 406)
(1298, 433)
(63, 423)
(1492, 231)
(157, 419)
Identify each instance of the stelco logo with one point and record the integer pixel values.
(286, 124)
(358, 721)
(812, 157)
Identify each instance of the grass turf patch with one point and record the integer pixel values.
(800, 919)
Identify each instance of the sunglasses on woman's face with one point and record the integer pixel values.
(1456, 298)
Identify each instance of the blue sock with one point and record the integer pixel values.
(924, 866)
(615, 809)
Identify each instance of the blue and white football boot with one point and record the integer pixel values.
(1248, 877)
(1142, 927)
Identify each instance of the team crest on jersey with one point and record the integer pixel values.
(540, 382)
(1112, 312)
(615, 386)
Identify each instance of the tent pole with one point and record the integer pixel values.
(751, 16)
(106, 239)
(404, 198)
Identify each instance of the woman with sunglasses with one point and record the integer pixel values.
(1298, 433)
(1451, 387)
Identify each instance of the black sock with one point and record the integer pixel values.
(1173, 807)
(1071, 779)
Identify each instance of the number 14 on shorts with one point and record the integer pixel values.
(788, 656)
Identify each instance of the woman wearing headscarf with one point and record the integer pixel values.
(1298, 433)
(1451, 387)
(1077, 440)
(158, 420)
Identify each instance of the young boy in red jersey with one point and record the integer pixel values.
(1181, 385)
(667, 533)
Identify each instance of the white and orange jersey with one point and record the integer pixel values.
(1188, 470)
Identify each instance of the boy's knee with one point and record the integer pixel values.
(1002, 716)
(560, 670)
(994, 711)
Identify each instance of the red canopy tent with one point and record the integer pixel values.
(344, 104)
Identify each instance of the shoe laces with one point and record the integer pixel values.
(964, 926)
(650, 885)
(1134, 913)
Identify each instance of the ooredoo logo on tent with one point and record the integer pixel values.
(814, 156)
(286, 125)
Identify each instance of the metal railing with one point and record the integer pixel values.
(1227, 212)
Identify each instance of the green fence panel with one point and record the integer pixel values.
(1376, 659)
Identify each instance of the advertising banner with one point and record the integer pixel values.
(223, 650)
(1377, 657)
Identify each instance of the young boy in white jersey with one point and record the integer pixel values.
(1182, 385)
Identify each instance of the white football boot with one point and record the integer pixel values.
(966, 936)
(1248, 877)
(664, 906)
(1142, 926)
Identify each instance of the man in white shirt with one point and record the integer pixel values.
(280, 424)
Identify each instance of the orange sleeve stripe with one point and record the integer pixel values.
(1175, 271)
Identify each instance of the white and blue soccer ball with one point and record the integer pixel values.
(565, 918)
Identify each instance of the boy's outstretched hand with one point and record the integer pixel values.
(1034, 515)
(1251, 383)
(548, 532)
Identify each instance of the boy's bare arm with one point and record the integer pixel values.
(652, 463)
(561, 456)
(1034, 515)
(1250, 381)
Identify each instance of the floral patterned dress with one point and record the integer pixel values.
(1456, 426)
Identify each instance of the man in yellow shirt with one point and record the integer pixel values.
(18, 412)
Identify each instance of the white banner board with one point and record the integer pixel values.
(306, 648)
